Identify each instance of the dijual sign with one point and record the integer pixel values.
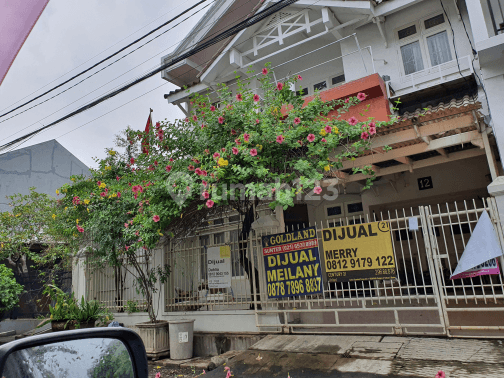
(359, 252)
(292, 263)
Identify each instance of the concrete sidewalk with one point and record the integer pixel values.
(368, 356)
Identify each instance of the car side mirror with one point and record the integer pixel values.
(86, 353)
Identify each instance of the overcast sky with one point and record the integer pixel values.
(68, 34)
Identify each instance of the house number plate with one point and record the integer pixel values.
(425, 183)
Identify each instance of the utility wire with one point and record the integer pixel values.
(109, 57)
(228, 33)
(127, 81)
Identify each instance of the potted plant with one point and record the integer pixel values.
(68, 314)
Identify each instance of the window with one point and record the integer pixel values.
(439, 48)
(338, 79)
(412, 58)
(302, 92)
(320, 86)
(354, 207)
(333, 211)
(434, 21)
(407, 32)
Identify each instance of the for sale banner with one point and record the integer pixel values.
(292, 263)
(359, 252)
(219, 267)
(487, 268)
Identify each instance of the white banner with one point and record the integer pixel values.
(219, 267)
(482, 246)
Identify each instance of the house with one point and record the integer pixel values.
(46, 167)
(437, 65)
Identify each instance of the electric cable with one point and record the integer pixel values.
(111, 56)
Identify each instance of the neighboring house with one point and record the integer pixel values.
(45, 166)
(443, 159)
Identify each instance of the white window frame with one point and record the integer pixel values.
(344, 212)
(421, 36)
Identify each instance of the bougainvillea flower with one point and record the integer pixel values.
(205, 173)
(194, 118)
(216, 155)
(237, 141)
(155, 163)
(256, 98)
(235, 150)
(440, 374)
(126, 247)
(126, 225)
(171, 159)
(264, 71)
(204, 182)
(300, 142)
(253, 152)
(212, 108)
(132, 161)
(323, 140)
(328, 129)
(353, 121)
(187, 119)
(233, 132)
(246, 137)
(317, 190)
(229, 106)
(280, 138)
(372, 130)
(299, 77)
(210, 203)
(80, 229)
(223, 149)
(191, 168)
(372, 124)
(364, 135)
(257, 121)
(221, 120)
(297, 121)
(206, 195)
(203, 126)
(198, 171)
(347, 101)
(118, 194)
(361, 96)
(239, 97)
(279, 86)
(310, 137)
(168, 168)
(103, 194)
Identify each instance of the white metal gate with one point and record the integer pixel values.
(421, 301)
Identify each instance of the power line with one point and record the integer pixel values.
(110, 56)
(127, 81)
(90, 59)
(228, 33)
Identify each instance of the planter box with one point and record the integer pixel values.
(155, 338)
(60, 325)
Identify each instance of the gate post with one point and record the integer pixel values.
(496, 190)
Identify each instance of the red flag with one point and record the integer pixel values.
(17, 19)
(145, 144)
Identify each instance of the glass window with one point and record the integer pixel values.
(302, 92)
(338, 79)
(332, 211)
(320, 86)
(434, 21)
(406, 32)
(412, 57)
(439, 48)
(219, 238)
(354, 207)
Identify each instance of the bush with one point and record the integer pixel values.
(10, 290)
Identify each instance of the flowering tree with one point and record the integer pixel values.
(255, 146)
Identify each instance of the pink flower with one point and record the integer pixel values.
(126, 225)
(323, 140)
(440, 374)
(205, 173)
(253, 152)
(235, 150)
(328, 129)
(210, 203)
(353, 121)
(372, 124)
(310, 137)
(168, 168)
(191, 168)
(118, 194)
(132, 161)
(280, 138)
(300, 142)
(237, 141)
(188, 188)
(80, 229)
(347, 101)
(372, 130)
(103, 194)
(126, 247)
(212, 108)
(118, 178)
(194, 118)
(299, 77)
(239, 97)
(216, 155)
(246, 137)
(206, 195)
(221, 120)
(171, 159)
(233, 132)
(297, 121)
(280, 86)
(229, 106)
(156, 163)
(204, 182)
(198, 171)
(256, 98)
(264, 71)
(223, 149)
(364, 135)
(361, 96)
(203, 126)
(317, 190)
(257, 121)
(158, 375)
(226, 368)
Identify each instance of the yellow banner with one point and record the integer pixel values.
(358, 252)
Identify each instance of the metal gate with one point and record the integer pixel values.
(422, 300)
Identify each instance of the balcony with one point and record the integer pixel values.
(430, 77)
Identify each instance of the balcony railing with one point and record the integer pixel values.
(496, 10)
(430, 77)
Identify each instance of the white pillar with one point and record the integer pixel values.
(477, 11)
(79, 281)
